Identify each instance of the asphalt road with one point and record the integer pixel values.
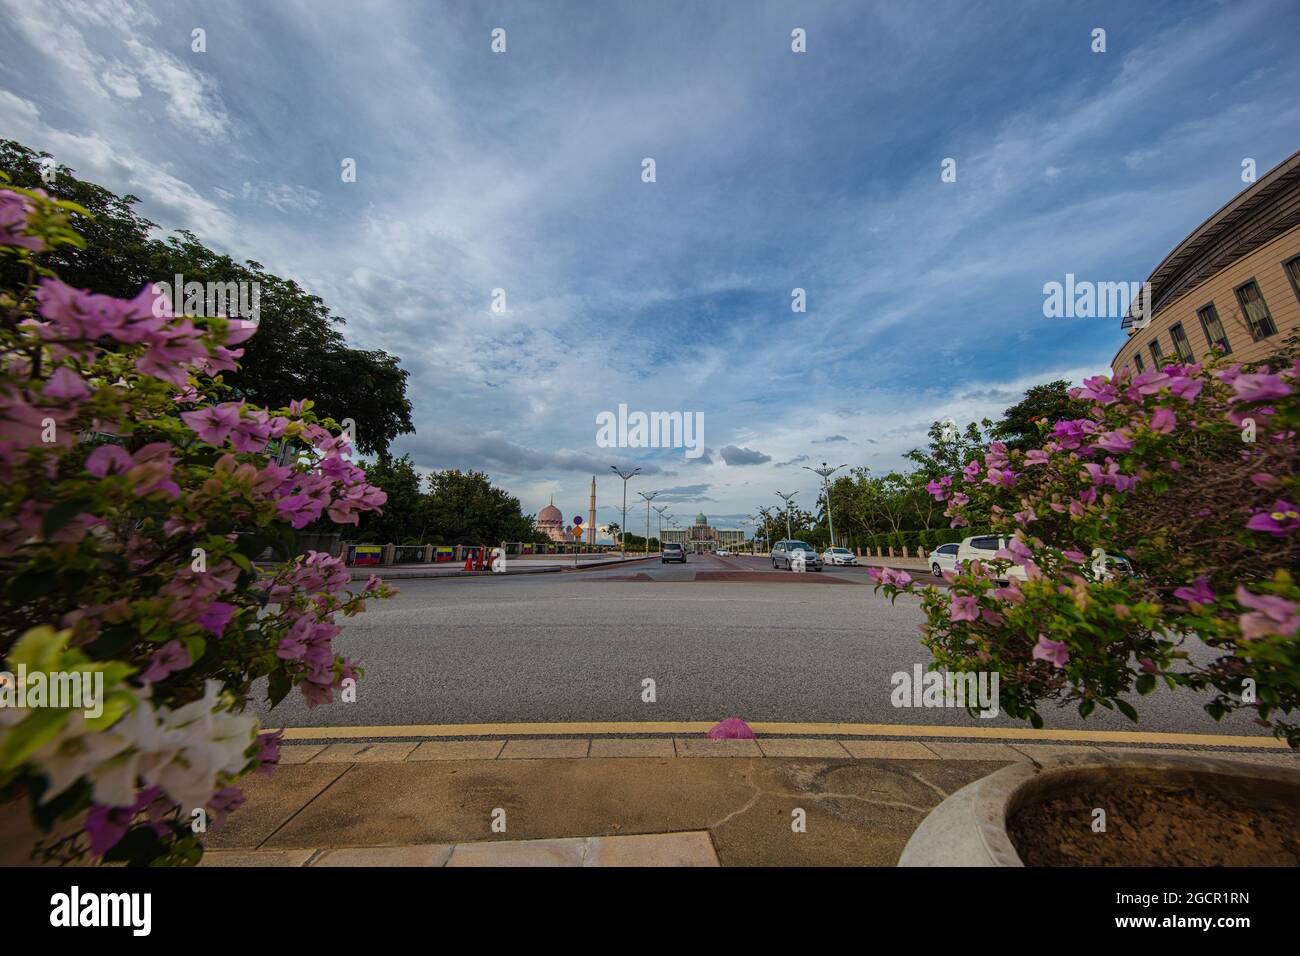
(719, 637)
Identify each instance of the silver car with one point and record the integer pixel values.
(783, 555)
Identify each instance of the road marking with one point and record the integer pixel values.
(589, 728)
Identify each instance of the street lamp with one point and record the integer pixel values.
(648, 498)
(826, 473)
(661, 509)
(787, 499)
(622, 530)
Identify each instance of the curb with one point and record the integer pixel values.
(685, 848)
(398, 573)
(586, 748)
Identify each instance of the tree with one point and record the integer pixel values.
(1191, 473)
(465, 508)
(132, 504)
(1022, 425)
(298, 351)
(404, 509)
(614, 530)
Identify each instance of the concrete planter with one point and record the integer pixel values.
(969, 828)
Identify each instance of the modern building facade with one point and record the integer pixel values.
(701, 537)
(1233, 284)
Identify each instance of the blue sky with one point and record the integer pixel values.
(775, 171)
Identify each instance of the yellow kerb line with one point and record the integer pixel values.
(595, 728)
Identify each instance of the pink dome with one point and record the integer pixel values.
(550, 515)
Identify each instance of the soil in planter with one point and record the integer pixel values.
(1156, 826)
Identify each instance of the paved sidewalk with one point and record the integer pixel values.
(577, 801)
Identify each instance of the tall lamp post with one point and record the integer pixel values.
(787, 499)
(622, 530)
(826, 473)
(648, 498)
(661, 509)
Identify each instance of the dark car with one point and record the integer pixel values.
(673, 552)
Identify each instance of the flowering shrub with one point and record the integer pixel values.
(132, 504)
(1188, 471)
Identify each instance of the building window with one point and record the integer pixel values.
(1256, 311)
(1292, 269)
(1140, 365)
(1213, 328)
(1181, 343)
(1154, 346)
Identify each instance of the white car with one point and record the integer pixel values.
(722, 552)
(943, 558)
(982, 547)
(838, 556)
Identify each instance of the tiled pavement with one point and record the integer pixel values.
(534, 748)
(602, 801)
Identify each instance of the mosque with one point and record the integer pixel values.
(550, 521)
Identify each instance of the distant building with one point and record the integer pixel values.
(550, 522)
(701, 537)
(1233, 284)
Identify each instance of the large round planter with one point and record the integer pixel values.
(970, 827)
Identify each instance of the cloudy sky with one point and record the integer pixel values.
(775, 170)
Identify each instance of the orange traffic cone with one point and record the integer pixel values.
(469, 560)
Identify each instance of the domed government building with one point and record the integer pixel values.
(702, 538)
(1232, 285)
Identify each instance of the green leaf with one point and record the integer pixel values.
(1127, 710)
(278, 687)
(29, 736)
(62, 513)
(1086, 707)
(1145, 683)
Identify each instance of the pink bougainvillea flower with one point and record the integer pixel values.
(268, 750)
(971, 471)
(14, 210)
(105, 825)
(1163, 421)
(214, 424)
(732, 728)
(1281, 520)
(169, 658)
(108, 459)
(1036, 456)
(1055, 652)
(1199, 592)
(1269, 615)
(65, 385)
(1097, 389)
(900, 579)
(964, 607)
(1259, 387)
(216, 616)
(223, 802)
(1118, 441)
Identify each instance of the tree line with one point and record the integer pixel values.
(298, 351)
(894, 508)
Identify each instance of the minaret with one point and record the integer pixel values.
(591, 514)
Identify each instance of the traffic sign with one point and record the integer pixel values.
(578, 520)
